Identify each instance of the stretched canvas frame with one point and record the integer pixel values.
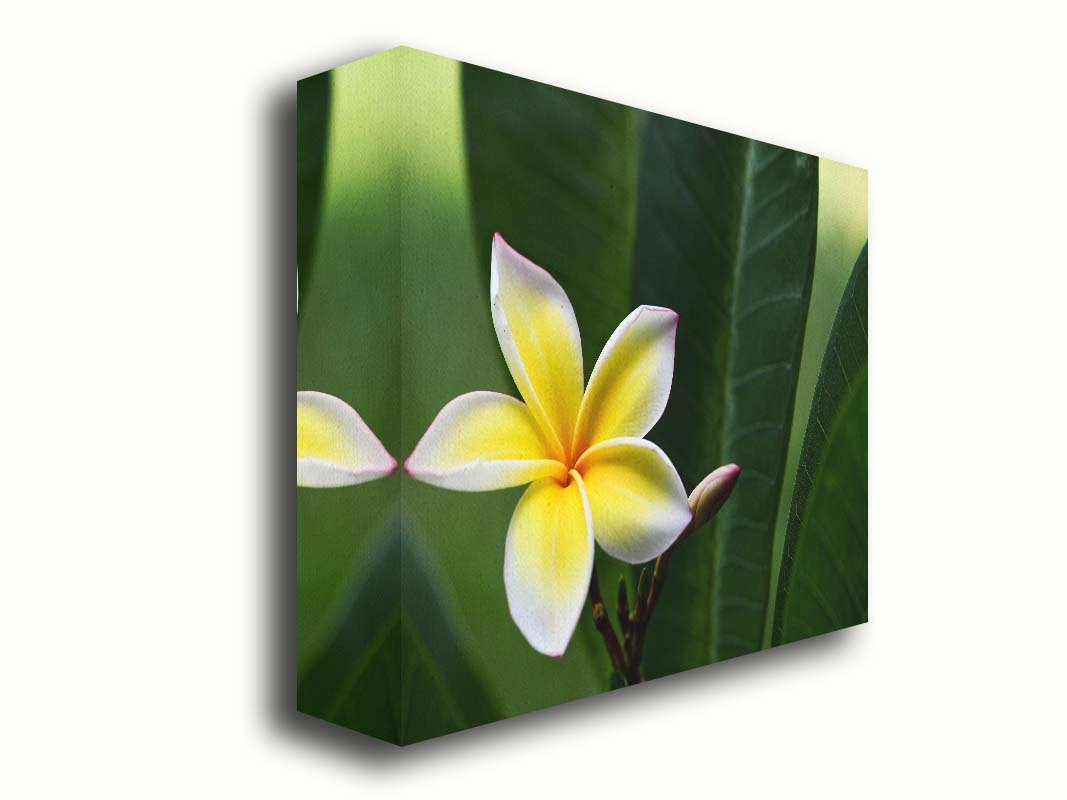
(434, 197)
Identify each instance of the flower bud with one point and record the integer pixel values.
(642, 591)
(709, 496)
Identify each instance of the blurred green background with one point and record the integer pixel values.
(407, 163)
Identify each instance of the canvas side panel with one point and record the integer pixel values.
(348, 557)
(448, 348)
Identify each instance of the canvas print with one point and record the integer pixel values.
(581, 395)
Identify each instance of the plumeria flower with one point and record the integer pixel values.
(591, 475)
(334, 446)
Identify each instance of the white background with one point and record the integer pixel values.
(147, 339)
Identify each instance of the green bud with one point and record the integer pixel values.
(642, 590)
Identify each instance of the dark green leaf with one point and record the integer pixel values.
(726, 237)
(554, 172)
(356, 681)
(823, 581)
(313, 116)
(394, 669)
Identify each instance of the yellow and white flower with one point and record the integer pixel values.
(334, 446)
(592, 475)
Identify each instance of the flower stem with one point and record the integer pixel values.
(704, 502)
(603, 624)
(627, 661)
(645, 612)
(659, 574)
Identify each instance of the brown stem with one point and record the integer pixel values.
(622, 608)
(659, 576)
(603, 624)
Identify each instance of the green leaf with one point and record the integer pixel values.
(313, 114)
(842, 233)
(394, 669)
(823, 581)
(554, 172)
(355, 680)
(726, 237)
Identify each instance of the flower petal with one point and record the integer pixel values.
(636, 498)
(631, 381)
(482, 441)
(538, 333)
(548, 559)
(334, 446)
